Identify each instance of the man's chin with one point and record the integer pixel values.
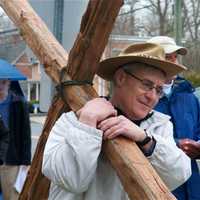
(145, 110)
(142, 115)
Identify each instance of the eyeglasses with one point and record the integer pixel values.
(147, 85)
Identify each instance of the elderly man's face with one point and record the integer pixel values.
(172, 57)
(4, 87)
(134, 97)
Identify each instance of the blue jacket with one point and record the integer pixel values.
(184, 109)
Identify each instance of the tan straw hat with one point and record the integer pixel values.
(168, 44)
(148, 53)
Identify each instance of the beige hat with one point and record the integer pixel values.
(168, 44)
(148, 53)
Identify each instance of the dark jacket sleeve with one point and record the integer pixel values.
(197, 130)
(26, 134)
(192, 118)
(4, 141)
(19, 150)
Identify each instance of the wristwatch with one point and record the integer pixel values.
(146, 140)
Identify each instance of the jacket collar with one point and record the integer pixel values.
(137, 122)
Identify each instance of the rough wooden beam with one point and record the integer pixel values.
(137, 175)
(135, 171)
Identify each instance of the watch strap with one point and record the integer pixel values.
(146, 140)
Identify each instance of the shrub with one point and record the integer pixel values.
(194, 78)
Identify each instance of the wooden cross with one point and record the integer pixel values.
(138, 177)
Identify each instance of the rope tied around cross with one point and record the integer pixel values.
(63, 83)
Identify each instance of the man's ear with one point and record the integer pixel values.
(120, 77)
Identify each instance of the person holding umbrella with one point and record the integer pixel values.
(15, 114)
(4, 140)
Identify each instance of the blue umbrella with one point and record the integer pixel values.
(9, 72)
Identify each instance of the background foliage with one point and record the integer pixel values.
(147, 18)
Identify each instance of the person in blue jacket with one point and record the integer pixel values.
(183, 106)
(15, 115)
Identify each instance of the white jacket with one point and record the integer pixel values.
(78, 171)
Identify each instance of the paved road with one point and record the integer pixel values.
(36, 130)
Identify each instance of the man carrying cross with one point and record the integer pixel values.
(72, 158)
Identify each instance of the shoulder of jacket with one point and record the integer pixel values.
(158, 116)
(158, 119)
(16, 97)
